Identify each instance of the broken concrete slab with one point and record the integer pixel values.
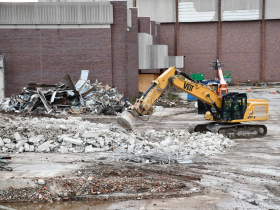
(16, 183)
(73, 141)
(92, 134)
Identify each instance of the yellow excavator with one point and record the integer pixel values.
(227, 110)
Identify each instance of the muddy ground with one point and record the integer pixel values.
(244, 177)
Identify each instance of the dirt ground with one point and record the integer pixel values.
(244, 177)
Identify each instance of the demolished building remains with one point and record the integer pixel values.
(74, 135)
(61, 98)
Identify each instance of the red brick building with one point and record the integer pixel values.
(120, 40)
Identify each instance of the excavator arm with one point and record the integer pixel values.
(185, 83)
(227, 111)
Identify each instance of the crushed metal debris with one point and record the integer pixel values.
(82, 97)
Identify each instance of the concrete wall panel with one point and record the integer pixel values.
(56, 13)
(157, 55)
(144, 39)
(163, 11)
(177, 61)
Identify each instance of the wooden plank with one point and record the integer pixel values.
(145, 81)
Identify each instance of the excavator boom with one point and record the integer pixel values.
(227, 110)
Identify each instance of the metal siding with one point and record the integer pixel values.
(240, 15)
(161, 11)
(188, 13)
(56, 13)
(272, 9)
(237, 10)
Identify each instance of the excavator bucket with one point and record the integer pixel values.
(126, 120)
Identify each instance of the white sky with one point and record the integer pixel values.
(18, 0)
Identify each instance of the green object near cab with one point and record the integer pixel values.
(198, 77)
(227, 76)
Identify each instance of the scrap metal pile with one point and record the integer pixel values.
(62, 98)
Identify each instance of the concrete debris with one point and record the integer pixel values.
(82, 97)
(41, 181)
(73, 135)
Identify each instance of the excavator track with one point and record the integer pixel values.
(232, 131)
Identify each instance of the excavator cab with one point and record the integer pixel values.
(233, 106)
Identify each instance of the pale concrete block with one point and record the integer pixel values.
(31, 134)
(130, 148)
(62, 127)
(174, 147)
(71, 149)
(165, 143)
(10, 146)
(48, 126)
(147, 148)
(45, 146)
(1, 142)
(16, 183)
(52, 146)
(63, 149)
(41, 181)
(31, 148)
(101, 142)
(21, 149)
(92, 149)
(20, 143)
(92, 134)
(17, 136)
(4, 149)
(73, 141)
(36, 139)
(26, 147)
(7, 141)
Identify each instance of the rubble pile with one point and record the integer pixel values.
(103, 182)
(73, 135)
(62, 98)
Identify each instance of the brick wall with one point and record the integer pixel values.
(167, 36)
(198, 43)
(241, 49)
(119, 46)
(144, 25)
(111, 54)
(132, 56)
(46, 55)
(272, 59)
